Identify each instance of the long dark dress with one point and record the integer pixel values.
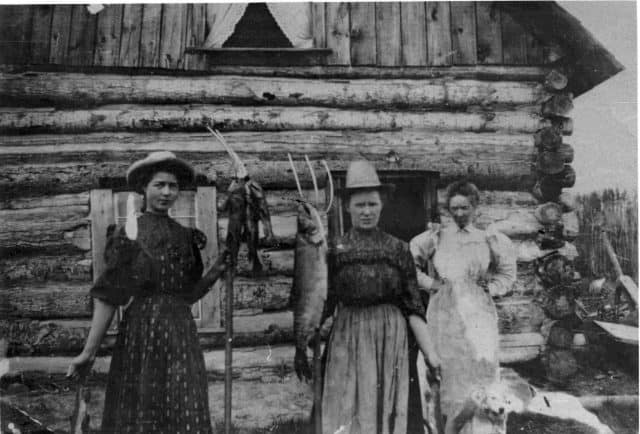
(373, 281)
(157, 379)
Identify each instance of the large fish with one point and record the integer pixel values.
(311, 276)
(310, 284)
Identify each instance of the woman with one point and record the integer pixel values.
(461, 316)
(373, 283)
(157, 379)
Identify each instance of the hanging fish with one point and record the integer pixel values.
(131, 225)
(247, 207)
(311, 276)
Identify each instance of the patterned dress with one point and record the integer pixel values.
(462, 321)
(373, 283)
(157, 379)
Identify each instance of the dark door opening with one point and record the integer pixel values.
(406, 212)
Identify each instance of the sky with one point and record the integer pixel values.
(605, 132)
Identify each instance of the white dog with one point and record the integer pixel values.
(486, 409)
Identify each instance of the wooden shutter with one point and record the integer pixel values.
(192, 209)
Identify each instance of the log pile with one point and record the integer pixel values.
(70, 133)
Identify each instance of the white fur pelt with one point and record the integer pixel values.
(487, 409)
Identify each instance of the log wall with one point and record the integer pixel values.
(384, 34)
(65, 134)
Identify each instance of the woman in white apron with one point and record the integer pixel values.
(471, 266)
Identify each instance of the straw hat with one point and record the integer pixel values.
(160, 161)
(361, 175)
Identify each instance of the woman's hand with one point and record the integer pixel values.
(222, 261)
(81, 365)
(439, 285)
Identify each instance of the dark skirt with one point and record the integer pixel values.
(157, 379)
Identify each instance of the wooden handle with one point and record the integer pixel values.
(612, 254)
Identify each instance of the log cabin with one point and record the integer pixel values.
(430, 92)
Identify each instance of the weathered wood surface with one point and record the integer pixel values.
(363, 33)
(149, 54)
(31, 337)
(489, 33)
(473, 72)
(439, 50)
(130, 38)
(338, 33)
(53, 299)
(388, 37)
(463, 32)
(548, 139)
(76, 88)
(172, 43)
(41, 33)
(81, 36)
(558, 105)
(556, 80)
(499, 162)
(38, 219)
(15, 34)
(74, 267)
(60, 25)
(514, 41)
(108, 34)
(414, 33)
(270, 118)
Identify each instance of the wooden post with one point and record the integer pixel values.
(228, 348)
(317, 384)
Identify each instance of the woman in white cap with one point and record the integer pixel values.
(157, 380)
(461, 317)
(374, 286)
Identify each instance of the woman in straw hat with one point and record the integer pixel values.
(157, 379)
(374, 286)
(461, 317)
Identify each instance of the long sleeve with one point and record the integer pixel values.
(422, 248)
(503, 261)
(410, 300)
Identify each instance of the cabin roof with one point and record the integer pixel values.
(590, 62)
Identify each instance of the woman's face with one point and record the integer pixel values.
(161, 192)
(364, 208)
(461, 210)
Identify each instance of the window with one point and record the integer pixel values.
(261, 34)
(193, 208)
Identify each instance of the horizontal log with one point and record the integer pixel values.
(54, 267)
(46, 201)
(492, 162)
(49, 300)
(131, 118)
(45, 241)
(56, 218)
(38, 338)
(53, 299)
(93, 89)
(478, 72)
(73, 177)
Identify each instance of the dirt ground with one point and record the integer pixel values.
(282, 405)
